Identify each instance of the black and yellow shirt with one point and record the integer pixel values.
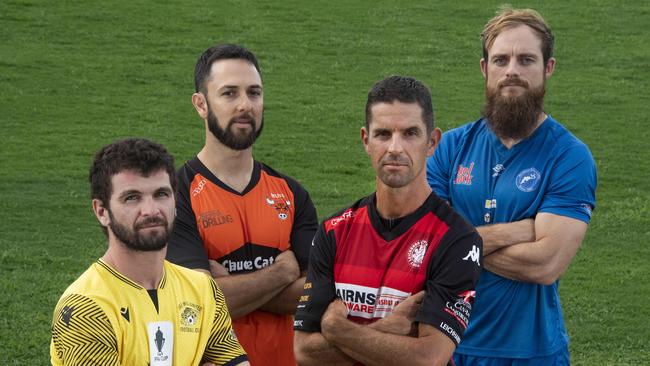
(104, 318)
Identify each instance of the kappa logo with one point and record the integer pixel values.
(282, 207)
(415, 255)
(464, 174)
(473, 255)
(528, 180)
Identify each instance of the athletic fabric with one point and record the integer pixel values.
(244, 232)
(372, 269)
(550, 171)
(104, 318)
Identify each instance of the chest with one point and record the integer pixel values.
(372, 275)
(491, 184)
(227, 221)
(174, 333)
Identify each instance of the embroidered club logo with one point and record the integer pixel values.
(282, 207)
(528, 180)
(464, 174)
(189, 316)
(415, 255)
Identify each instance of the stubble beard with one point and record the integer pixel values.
(513, 117)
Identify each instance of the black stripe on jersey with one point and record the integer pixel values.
(118, 275)
(223, 347)
(82, 333)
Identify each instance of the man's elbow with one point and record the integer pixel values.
(302, 358)
(548, 274)
(429, 356)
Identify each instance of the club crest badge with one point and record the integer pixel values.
(415, 255)
(528, 180)
(281, 206)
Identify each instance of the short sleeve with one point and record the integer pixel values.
(572, 189)
(319, 290)
(223, 348)
(185, 246)
(451, 281)
(305, 224)
(82, 334)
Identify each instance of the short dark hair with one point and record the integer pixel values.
(403, 89)
(214, 54)
(141, 155)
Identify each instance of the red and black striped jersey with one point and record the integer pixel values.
(372, 269)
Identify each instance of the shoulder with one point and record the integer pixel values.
(291, 182)
(348, 215)
(564, 141)
(461, 133)
(187, 276)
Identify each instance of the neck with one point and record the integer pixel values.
(393, 203)
(143, 268)
(233, 167)
(509, 142)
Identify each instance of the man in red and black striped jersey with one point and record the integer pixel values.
(391, 278)
(239, 220)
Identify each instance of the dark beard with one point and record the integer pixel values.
(228, 138)
(140, 243)
(513, 117)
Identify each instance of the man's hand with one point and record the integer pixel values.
(401, 320)
(335, 312)
(287, 260)
(217, 270)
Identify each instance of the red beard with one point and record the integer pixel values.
(513, 117)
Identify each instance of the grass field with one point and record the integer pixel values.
(77, 75)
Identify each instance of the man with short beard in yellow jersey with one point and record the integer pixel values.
(132, 307)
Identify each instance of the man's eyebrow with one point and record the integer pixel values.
(129, 192)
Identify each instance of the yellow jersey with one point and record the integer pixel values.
(104, 318)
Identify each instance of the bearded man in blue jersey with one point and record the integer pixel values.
(529, 186)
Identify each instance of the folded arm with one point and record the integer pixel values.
(247, 292)
(545, 258)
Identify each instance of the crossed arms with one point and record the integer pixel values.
(537, 251)
(389, 341)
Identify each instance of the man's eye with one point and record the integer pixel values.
(131, 198)
(162, 194)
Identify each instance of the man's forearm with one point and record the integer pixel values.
(286, 301)
(545, 259)
(312, 349)
(245, 293)
(499, 236)
(373, 347)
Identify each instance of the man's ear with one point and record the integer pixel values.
(101, 212)
(434, 140)
(200, 103)
(483, 64)
(364, 138)
(550, 67)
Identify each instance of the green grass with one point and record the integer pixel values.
(77, 75)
